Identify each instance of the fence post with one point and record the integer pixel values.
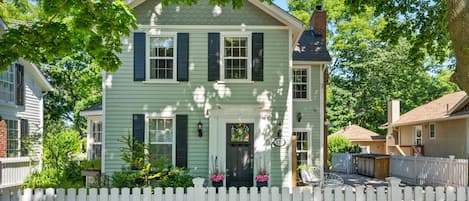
(394, 191)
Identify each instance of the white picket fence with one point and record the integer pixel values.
(358, 193)
(13, 171)
(433, 171)
(342, 162)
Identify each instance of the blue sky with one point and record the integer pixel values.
(282, 4)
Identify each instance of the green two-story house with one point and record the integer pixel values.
(244, 86)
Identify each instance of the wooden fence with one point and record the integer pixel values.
(358, 193)
(433, 171)
(13, 171)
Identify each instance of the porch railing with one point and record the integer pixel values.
(13, 171)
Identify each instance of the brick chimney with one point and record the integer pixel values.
(318, 22)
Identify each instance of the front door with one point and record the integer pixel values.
(417, 135)
(239, 154)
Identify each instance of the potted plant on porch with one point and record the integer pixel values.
(217, 177)
(262, 179)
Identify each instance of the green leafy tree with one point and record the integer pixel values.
(77, 86)
(46, 30)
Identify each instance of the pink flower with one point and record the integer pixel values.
(262, 178)
(217, 177)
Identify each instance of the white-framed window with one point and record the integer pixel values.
(96, 139)
(303, 142)
(235, 56)
(162, 60)
(161, 138)
(432, 131)
(13, 139)
(7, 84)
(301, 83)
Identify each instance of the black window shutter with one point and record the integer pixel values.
(19, 84)
(258, 56)
(213, 56)
(138, 128)
(139, 56)
(183, 57)
(24, 133)
(181, 140)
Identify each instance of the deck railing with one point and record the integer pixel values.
(13, 171)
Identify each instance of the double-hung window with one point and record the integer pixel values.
(13, 139)
(96, 135)
(236, 50)
(161, 138)
(301, 83)
(302, 147)
(432, 131)
(162, 57)
(7, 84)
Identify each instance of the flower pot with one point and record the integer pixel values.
(262, 183)
(217, 184)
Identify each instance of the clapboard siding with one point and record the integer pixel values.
(125, 97)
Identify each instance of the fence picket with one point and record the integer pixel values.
(60, 194)
(296, 194)
(211, 194)
(243, 193)
(168, 194)
(338, 194)
(408, 195)
(317, 194)
(418, 193)
(179, 194)
(103, 194)
(450, 193)
(349, 193)
(285, 194)
(439, 193)
(232, 194)
(93, 194)
(71, 194)
(381, 193)
(254, 195)
(146, 195)
(275, 194)
(50, 192)
(359, 195)
(159, 194)
(190, 194)
(115, 194)
(370, 194)
(125, 194)
(460, 194)
(265, 194)
(429, 194)
(328, 196)
(307, 194)
(38, 194)
(396, 193)
(136, 194)
(222, 194)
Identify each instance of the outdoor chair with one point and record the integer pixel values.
(312, 176)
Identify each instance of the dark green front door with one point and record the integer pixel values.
(239, 154)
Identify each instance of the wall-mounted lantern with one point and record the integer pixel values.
(299, 116)
(199, 128)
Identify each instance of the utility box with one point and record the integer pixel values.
(373, 165)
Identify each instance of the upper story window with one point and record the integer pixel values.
(162, 58)
(7, 84)
(301, 83)
(161, 138)
(236, 56)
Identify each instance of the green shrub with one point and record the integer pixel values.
(127, 179)
(94, 164)
(338, 144)
(44, 179)
(177, 177)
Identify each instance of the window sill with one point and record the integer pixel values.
(160, 82)
(301, 100)
(235, 82)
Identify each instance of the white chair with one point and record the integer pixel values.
(311, 176)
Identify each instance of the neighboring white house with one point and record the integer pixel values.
(22, 87)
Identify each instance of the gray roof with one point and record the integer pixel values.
(96, 107)
(311, 48)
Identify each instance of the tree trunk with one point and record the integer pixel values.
(458, 26)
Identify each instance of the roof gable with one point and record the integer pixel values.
(358, 133)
